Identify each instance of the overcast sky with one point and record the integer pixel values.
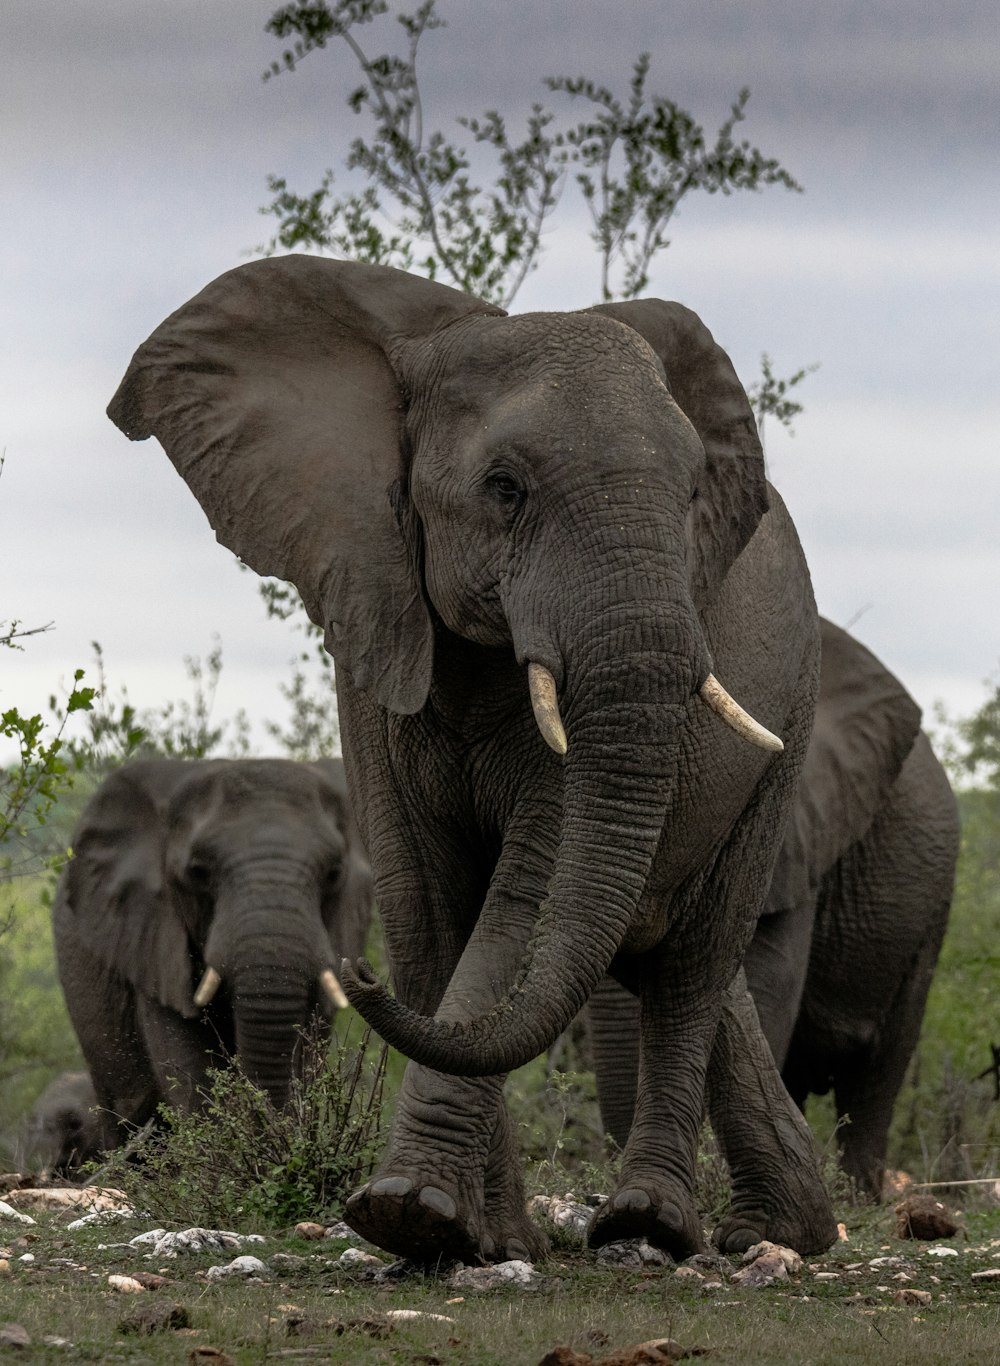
(134, 147)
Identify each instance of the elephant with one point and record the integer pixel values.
(535, 545)
(842, 958)
(200, 916)
(64, 1127)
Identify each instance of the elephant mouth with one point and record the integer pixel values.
(328, 981)
(545, 706)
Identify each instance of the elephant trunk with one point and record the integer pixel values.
(626, 697)
(271, 964)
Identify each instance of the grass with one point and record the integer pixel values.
(315, 1304)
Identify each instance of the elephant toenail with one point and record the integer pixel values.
(392, 1185)
(517, 1252)
(670, 1217)
(632, 1199)
(437, 1202)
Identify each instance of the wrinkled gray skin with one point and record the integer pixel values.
(250, 866)
(455, 494)
(64, 1128)
(842, 958)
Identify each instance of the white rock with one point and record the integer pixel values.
(26, 1257)
(405, 1315)
(353, 1258)
(791, 1259)
(239, 1266)
(102, 1216)
(561, 1210)
(992, 1275)
(126, 1285)
(765, 1269)
(166, 1244)
(11, 1215)
(492, 1277)
(940, 1251)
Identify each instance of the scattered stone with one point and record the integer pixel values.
(149, 1280)
(765, 1269)
(406, 1315)
(632, 1252)
(992, 1275)
(164, 1244)
(309, 1230)
(842, 1233)
(26, 1257)
(688, 1272)
(940, 1252)
(67, 1197)
(923, 1217)
(209, 1356)
(562, 1211)
(709, 1261)
(911, 1296)
(288, 1261)
(4, 1267)
(103, 1217)
(656, 1352)
(125, 1285)
(13, 1335)
(154, 1316)
(10, 1215)
(888, 1261)
(50, 1340)
(240, 1266)
(365, 1264)
(342, 1230)
(826, 1276)
(791, 1259)
(493, 1277)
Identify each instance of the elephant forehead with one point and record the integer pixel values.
(479, 359)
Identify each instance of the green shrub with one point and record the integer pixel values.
(240, 1161)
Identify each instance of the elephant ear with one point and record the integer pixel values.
(115, 890)
(732, 495)
(273, 394)
(349, 917)
(866, 725)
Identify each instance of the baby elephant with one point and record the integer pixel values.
(64, 1126)
(201, 915)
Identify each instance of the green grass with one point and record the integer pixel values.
(850, 1319)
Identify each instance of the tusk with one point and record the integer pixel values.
(542, 687)
(715, 696)
(333, 989)
(207, 988)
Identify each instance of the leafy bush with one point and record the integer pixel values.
(240, 1161)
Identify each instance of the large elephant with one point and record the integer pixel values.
(201, 914)
(562, 514)
(842, 958)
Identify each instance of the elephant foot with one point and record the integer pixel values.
(805, 1224)
(428, 1224)
(663, 1214)
(419, 1221)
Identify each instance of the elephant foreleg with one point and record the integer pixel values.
(778, 1191)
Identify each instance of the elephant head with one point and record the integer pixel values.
(421, 467)
(220, 892)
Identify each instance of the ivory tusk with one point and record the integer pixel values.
(715, 696)
(544, 704)
(207, 988)
(333, 989)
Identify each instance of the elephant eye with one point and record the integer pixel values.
(506, 489)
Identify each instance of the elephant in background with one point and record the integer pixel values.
(200, 916)
(558, 523)
(843, 955)
(64, 1126)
